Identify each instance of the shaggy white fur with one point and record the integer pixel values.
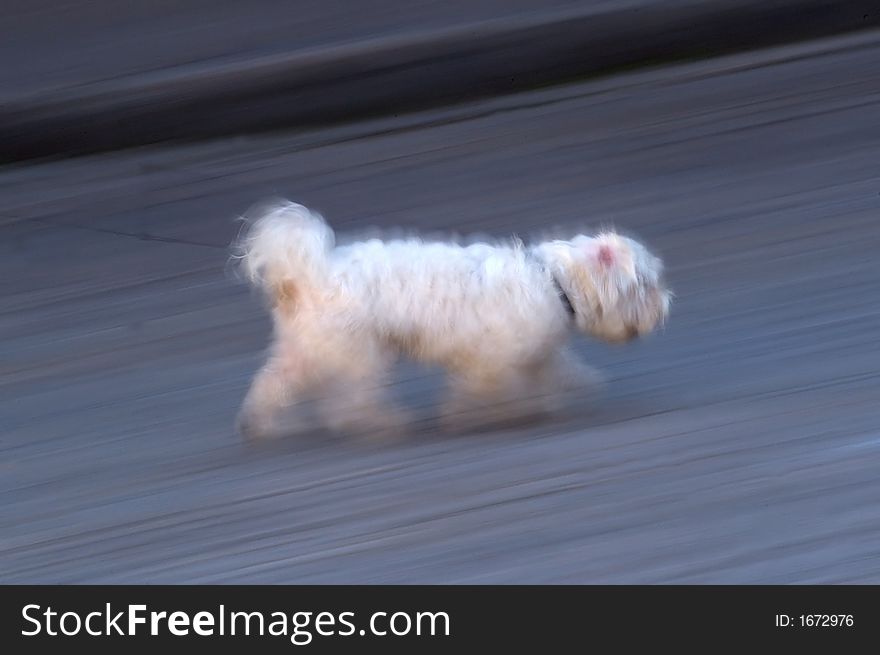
(495, 316)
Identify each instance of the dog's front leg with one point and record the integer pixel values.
(562, 379)
(478, 397)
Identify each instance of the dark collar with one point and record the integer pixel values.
(563, 297)
(566, 301)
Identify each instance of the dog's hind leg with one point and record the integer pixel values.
(288, 375)
(269, 393)
(356, 399)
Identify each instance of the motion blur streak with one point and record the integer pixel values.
(740, 444)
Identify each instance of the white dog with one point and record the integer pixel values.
(495, 316)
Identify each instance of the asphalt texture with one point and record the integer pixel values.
(738, 445)
(81, 42)
(95, 76)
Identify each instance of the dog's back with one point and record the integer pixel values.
(454, 297)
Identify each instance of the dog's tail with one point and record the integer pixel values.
(285, 251)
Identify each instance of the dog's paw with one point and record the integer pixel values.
(252, 427)
(487, 418)
(380, 425)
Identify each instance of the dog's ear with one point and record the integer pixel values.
(611, 255)
(605, 256)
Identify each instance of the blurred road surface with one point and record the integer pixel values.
(97, 76)
(80, 42)
(741, 444)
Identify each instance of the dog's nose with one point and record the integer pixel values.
(632, 332)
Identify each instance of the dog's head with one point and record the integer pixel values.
(617, 287)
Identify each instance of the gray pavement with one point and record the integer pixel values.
(739, 445)
(93, 75)
(83, 42)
